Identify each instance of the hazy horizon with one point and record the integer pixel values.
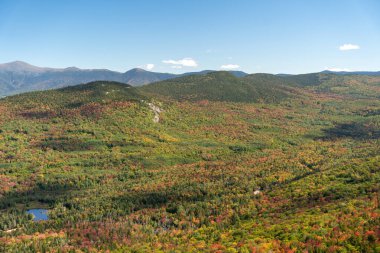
(184, 72)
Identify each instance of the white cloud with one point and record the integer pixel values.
(347, 47)
(338, 69)
(149, 66)
(185, 62)
(176, 67)
(230, 66)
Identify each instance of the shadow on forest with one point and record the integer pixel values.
(67, 144)
(38, 114)
(139, 201)
(49, 114)
(157, 199)
(354, 130)
(50, 194)
(70, 144)
(46, 194)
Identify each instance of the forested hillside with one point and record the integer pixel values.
(223, 86)
(260, 163)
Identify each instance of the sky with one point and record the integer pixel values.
(271, 36)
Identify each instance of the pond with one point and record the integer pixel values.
(39, 214)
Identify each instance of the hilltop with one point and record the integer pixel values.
(223, 86)
(220, 86)
(355, 85)
(96, 92)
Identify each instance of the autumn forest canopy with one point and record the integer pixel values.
(213, 162)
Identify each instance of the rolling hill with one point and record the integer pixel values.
(353, 85)
(101, 92)
(221, 86)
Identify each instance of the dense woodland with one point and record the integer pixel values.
(260, 163)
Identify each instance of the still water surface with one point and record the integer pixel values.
(39, 214)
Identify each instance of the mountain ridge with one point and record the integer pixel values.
(18, 77)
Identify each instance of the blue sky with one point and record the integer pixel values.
(273, 36)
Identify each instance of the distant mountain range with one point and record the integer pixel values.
(365, 73)
(17, 77)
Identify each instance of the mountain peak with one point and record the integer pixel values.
(20, 66)
(16, 64)
(137, 70)
(72, 69)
